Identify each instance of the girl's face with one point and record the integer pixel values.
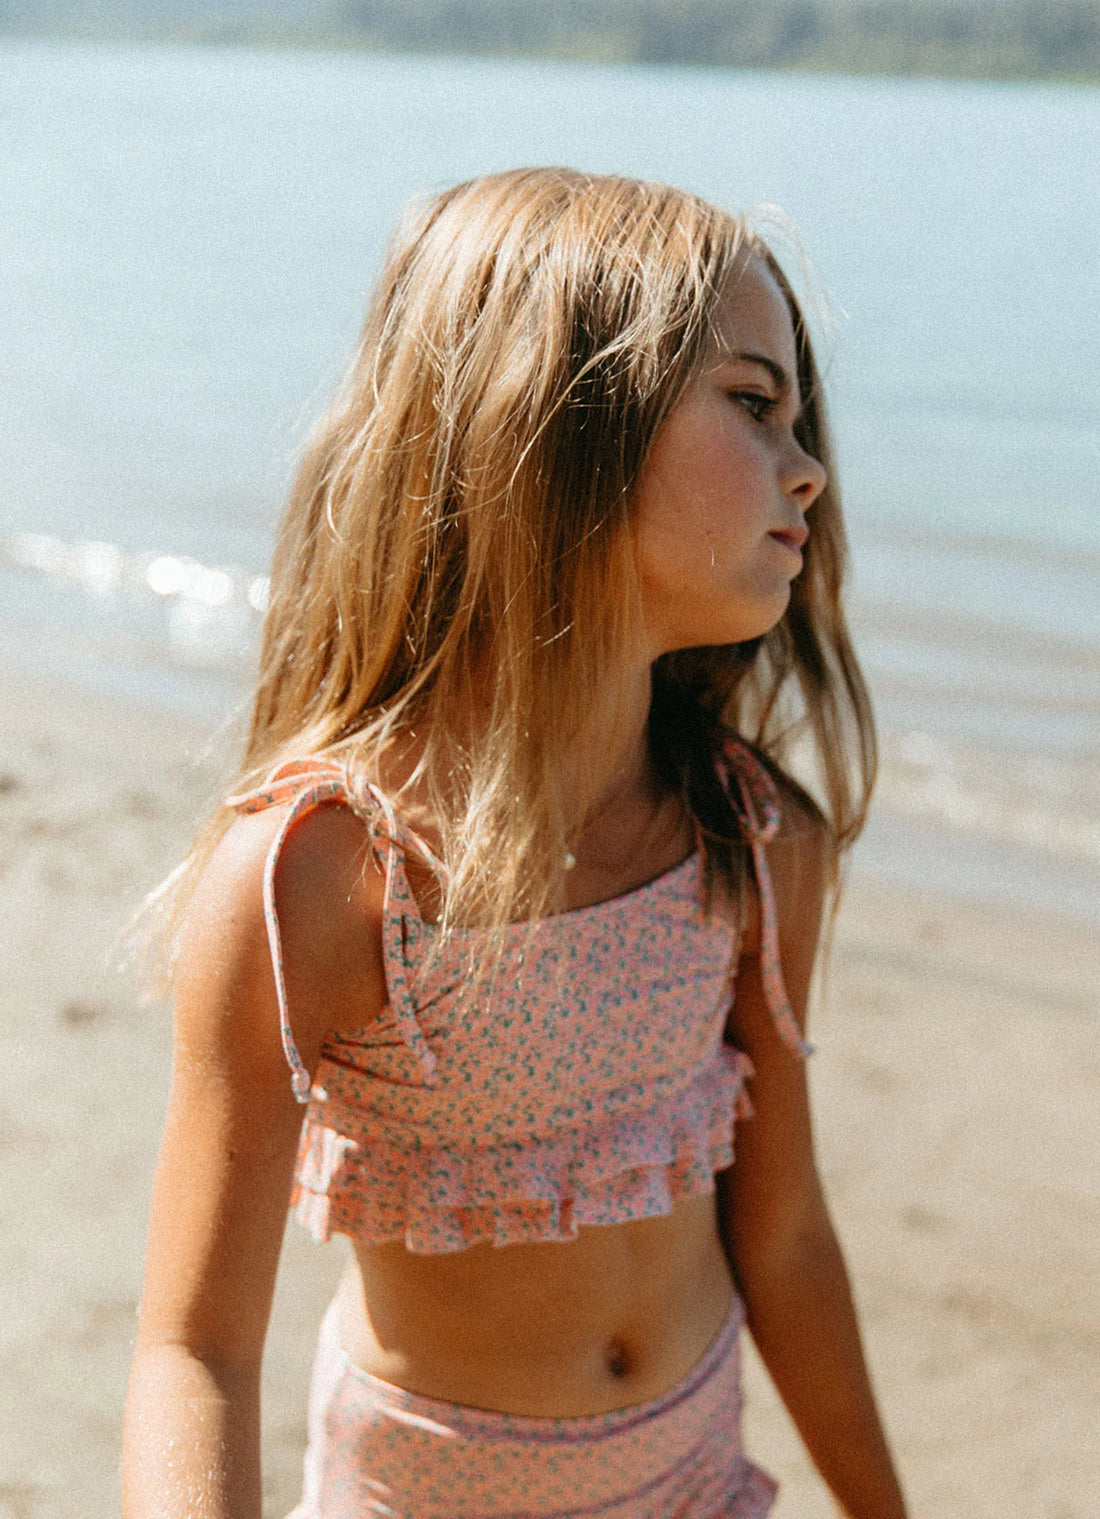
(721, 504)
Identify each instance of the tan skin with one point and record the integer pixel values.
(622, 1313)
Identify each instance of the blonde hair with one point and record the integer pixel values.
(464, 505)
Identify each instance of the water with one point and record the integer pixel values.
(188, 243)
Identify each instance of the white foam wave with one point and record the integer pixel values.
(1038, 802)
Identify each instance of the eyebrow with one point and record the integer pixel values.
(777, 372)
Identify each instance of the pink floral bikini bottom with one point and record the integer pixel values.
(375, 1449)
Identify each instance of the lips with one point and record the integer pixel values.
(792, 538)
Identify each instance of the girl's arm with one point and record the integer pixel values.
(783, 1250)
(191, 1443)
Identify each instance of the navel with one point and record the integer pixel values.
(619, 1360)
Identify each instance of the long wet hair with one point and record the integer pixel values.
(465, 504)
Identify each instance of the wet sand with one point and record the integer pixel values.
(956, 1089)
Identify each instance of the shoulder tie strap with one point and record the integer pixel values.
(307, 784)
(396, 902)
(756, 804)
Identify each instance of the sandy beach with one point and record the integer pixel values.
(956, 1085)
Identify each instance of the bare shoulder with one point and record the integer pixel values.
(328, 899)
(232, 1127)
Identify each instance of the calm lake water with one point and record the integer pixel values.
(188, 241)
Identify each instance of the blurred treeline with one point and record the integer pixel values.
(971, 38)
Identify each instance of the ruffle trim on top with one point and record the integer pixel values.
(379, 1189)
(755, 1499)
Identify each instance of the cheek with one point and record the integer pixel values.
(689, 457)
(698, 508)
(692, 481)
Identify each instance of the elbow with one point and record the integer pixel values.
(782, 1249)
(221, 1372)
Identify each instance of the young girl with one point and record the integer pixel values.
(507, 895)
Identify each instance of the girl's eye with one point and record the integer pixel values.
(759, 407)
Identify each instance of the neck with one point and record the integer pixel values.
(608, 770)
(611, 761)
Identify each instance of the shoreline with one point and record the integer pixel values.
(955, 1085)
(988, 719)
(951, 64)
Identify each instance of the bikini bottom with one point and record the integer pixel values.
(375, 1449)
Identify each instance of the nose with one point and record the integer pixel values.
(803, 477)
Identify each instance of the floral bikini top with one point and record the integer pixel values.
(585, 1081)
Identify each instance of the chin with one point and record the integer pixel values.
(747, 628)
(736, 622)
(722, 638)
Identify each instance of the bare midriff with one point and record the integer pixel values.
(615, 1317)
